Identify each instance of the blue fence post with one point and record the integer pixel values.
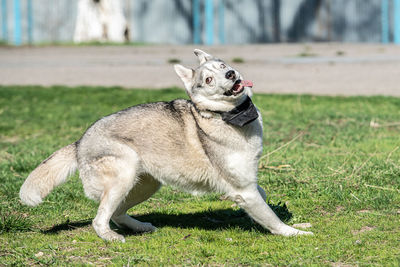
(221, 21)
(209, 10)
(196, 21)
(17, 23)
(4, 22)
(385, 21)
(396, 21)
(30, 22)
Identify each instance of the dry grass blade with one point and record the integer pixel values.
(374, 124)
(382, 188)
(284, 167)
(282, 146)
(356, 171)
(391, 152)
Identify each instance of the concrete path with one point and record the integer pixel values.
(322, 69)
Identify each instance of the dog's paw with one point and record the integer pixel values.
(290, 231)
(112, 236)
(147, 227)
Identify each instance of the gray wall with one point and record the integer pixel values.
(246, 21)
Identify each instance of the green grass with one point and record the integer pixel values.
(173, 61)
(237, 60)
(333, 162)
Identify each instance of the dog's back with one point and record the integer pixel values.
(170, 139)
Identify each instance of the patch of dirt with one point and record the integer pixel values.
(10, 139)
(5, 156)
(339, 208)
(364, 211)
(341, 264)
(363, 230)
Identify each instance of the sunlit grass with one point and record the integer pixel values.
(333, 162)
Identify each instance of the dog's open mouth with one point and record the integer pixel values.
(238, 87)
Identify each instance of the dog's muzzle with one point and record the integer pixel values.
(238, 87)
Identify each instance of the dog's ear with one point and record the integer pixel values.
(203, 56)
(185, 74)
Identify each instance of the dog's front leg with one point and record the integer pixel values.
(253, 202)
(262, 193)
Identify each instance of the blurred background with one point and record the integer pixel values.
(211, 21)
(325, 47)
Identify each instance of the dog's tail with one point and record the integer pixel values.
(50, 173)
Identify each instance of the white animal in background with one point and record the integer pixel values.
(101, 20)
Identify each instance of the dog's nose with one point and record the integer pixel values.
(230, 75)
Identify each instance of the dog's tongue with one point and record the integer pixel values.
(246, 83)
(239, 86)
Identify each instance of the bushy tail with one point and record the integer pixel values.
(50, 173)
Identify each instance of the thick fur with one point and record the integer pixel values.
(125, 157)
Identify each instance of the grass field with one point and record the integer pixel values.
(333, 162)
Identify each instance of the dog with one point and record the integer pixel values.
(210, 143)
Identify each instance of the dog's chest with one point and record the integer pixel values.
(238, 153)
(241, 162)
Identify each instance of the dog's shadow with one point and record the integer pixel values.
(208, 220)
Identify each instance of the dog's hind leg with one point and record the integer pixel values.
(117, 176)
(142, 190)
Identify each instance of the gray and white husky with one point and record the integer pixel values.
(210, 143)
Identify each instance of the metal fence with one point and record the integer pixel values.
(214, 21)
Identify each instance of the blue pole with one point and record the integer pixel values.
(396, 21)
(30, 22)
(221, 21)
(209, 10)
(4, 19)
(385, 21)
(17, 22)
(196, 21)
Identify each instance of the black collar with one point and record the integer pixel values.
(240, 115)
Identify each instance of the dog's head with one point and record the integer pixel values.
(214, 85)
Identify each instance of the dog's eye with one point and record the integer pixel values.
(223, 66)
(208, 80)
